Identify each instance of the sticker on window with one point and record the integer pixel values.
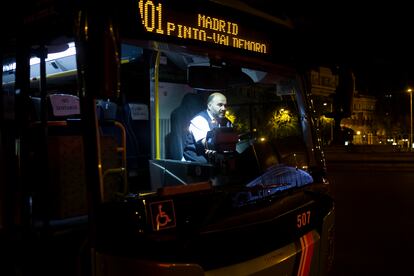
(162, 215)
(138, 111)
(64, 105)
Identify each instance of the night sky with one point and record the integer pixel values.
(376, 41)
(376, 38)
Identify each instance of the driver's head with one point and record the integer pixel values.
(217, 105)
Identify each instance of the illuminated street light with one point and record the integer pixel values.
(411, 117)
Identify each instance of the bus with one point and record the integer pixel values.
(96, 102)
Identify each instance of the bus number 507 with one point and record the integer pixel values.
(303, 219)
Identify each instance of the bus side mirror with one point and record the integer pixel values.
(344, 95)
(343, 101)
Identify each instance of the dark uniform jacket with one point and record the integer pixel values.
(195, 151)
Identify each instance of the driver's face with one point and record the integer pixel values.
(218, 106)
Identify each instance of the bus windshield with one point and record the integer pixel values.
(160, 137)
(265, 145)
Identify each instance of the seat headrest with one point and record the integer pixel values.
(107, 109)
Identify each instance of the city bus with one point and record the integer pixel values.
(95, 106)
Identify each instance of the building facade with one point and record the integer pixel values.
(360, 128)
(362, 120)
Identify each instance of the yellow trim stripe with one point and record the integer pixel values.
(157, 108)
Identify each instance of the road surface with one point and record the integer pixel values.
(374, 195)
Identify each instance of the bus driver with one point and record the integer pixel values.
(196, 147)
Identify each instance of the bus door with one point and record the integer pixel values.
(43, 141)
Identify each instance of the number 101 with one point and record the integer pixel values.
(151, 16)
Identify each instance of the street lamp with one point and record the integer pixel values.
(411, 117)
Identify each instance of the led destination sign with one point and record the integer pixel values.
(197, 26)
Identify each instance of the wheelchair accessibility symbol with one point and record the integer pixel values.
(162, 215)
